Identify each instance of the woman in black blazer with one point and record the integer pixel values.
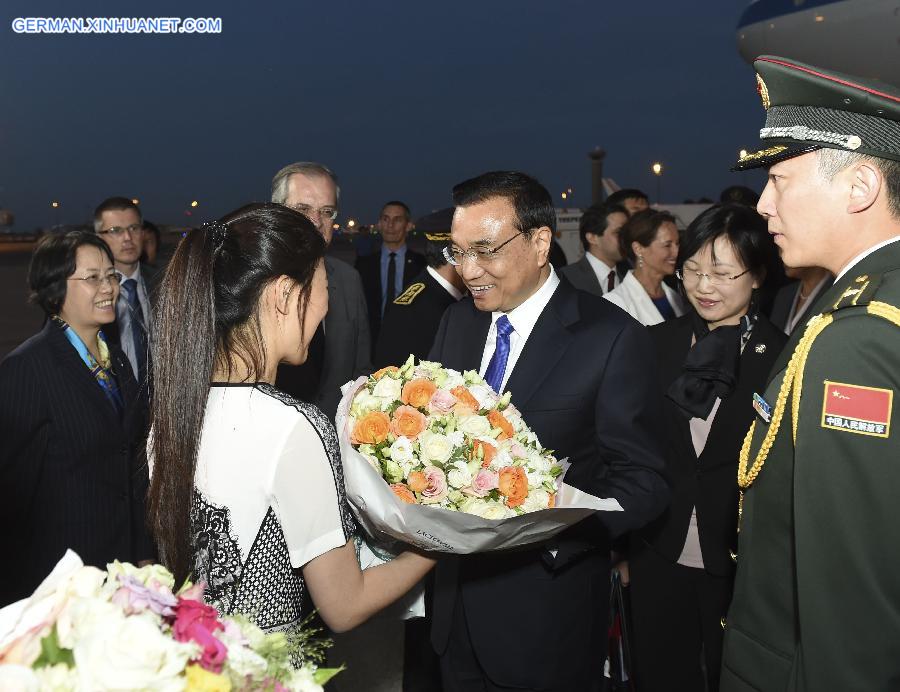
(70, 426)
(711, 361)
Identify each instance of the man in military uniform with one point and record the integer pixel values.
(817, 597)
(412, 319)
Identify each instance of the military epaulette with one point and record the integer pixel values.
(860, 292)
(409, 295)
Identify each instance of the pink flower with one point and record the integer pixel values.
(437, 485)
(196, 622)
(518, 451)
(484, 481)
(133, 597)
(442, 401)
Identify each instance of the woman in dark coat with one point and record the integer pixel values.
(711, 361)
(71, 427)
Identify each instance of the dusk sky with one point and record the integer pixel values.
(402, 99)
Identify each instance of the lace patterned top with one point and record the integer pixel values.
(269, 497)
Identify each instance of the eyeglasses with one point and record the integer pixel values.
(95, 280)
(692, 278)
(329, 213)
(117, 231)
(479, 255)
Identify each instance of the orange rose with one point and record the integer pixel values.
(371, 429)
(417, 481)
(488, 450)
(404, 493)
(418, 392)
(378, 374)
(407, 421)
(513, 485)
(464, 396)
(498, 420)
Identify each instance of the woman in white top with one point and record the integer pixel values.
(649, 240)
(247, 491)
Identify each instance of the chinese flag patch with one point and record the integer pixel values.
(862, 410)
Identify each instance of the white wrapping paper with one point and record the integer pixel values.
(384, 517)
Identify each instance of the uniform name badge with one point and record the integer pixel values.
(856, 409)
(762, 407)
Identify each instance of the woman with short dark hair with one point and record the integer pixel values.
(247, 489)
(711, 361)
(649, 241)
(71, 427)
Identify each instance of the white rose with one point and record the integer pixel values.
(453, 379)
(131, 654)
(401, 450)
(363, 403)
(16, 678)
(435, 447)
(58, 678)
(388, 389)
(302, 680)
(475, 426)
(80, 617)
(537, 499)
(491, 510)
(459, 476)
(486, 396)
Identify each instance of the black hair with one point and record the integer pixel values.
(53, 262)
(398, 203)
(207, 315)
(434, 252)
(745, 229)
(596, 220)
(642, 228)
(115, 204)
(530, 199)
(619, 196)
(739, 194)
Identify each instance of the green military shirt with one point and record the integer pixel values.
(817, 596)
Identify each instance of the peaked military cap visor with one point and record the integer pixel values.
(810, 108)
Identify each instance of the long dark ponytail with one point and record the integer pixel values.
(207, 314)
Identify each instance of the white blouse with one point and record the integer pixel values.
(269, 497)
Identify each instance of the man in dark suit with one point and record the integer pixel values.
(601, 269)
(119, 222)
(341, 349)
(385, 273)
(791, 308)
(581, 372)
(816, 599)
(412, 320)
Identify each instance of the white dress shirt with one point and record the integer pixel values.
(522, 318)
(602, 271)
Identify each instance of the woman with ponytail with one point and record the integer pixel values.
(247, 489)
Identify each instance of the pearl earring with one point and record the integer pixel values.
(640, 260)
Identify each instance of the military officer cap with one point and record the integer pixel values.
(810, 108)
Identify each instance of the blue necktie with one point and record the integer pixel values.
(139, 336)
(497, 367)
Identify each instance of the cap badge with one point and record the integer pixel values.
(763, 92)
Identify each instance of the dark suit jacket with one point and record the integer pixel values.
(708, 482)
(784, 300)
(72, 471)
(410, 323)
(586, 384)
(369, 268)
(583, 277)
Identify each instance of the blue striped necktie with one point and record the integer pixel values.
(497, 367)
(139, 336)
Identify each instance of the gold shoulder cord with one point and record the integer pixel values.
(793, 380)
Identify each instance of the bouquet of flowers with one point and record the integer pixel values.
(436, 458)
(128, 629)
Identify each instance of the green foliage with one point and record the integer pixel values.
(52, 653)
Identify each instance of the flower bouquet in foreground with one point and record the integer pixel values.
(128, 629)
(435, 458)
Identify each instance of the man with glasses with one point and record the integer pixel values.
(341, 347)
(118, 221)
(385, 274)
(581, 372)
